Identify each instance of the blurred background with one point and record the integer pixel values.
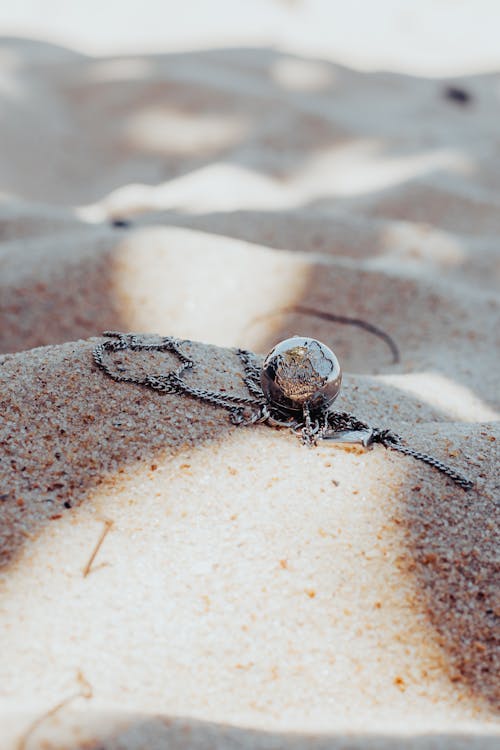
(253, 148)
(432, 37)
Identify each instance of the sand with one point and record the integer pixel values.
(248, 591)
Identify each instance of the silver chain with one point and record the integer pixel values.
(171, 382)
(391, 440)
(252, 408)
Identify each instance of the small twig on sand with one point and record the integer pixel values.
(342, 319)
(107, 526)
(85, 691)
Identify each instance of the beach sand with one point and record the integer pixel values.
(248, 591)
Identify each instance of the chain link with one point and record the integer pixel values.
(253, 408)
(342, 420)
(171, 382)
(390, 440)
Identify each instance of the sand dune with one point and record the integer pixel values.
(249, 591)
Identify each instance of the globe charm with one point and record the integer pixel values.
(301, 373)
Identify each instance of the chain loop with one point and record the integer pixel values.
(172, 382)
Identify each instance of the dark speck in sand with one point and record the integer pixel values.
(458, 95)
(121, 223)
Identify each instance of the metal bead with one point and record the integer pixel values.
(301, 372)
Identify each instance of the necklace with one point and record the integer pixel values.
(294, 388)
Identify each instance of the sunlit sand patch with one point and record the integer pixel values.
(361, 167)
(422, 246)
(250, 581)
(165, 131)
(215, 284)
(217, 187)
(456, 401)
(302, 75)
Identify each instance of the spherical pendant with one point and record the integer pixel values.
(301, 372)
